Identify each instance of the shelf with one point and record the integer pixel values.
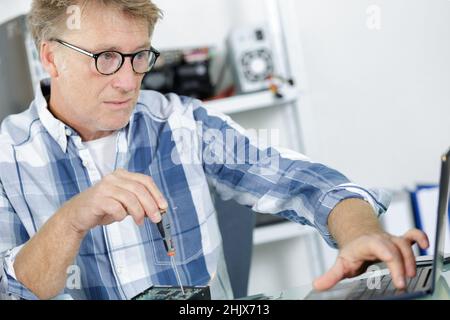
(280, 231)
(252, 101)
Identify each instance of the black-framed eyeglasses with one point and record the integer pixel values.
(110, 62)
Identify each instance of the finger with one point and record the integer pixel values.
(331, 277)
(148, 183)
(408, 256)
(130, 202)
(394, 261)
(361, 252)
(143, 195)
(419, 237)
(114, 211)
(376, 251)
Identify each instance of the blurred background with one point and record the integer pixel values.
(360, 85)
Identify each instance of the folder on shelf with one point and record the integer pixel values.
(424, 202)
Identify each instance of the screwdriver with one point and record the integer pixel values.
(164, 230)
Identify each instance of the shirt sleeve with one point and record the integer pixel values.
(271, 180)
(12, 238)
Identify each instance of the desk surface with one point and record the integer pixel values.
(441, 292)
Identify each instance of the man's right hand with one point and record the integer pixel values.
(114, 198)
(42, 263)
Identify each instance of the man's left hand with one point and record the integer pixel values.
(395, 251)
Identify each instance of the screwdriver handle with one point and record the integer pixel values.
(164, 231)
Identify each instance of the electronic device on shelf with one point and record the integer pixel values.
(252, 58)
(185, 72)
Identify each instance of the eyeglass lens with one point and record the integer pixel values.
(110, 62)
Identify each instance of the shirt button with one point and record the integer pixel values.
(85, 163)
(68, 132)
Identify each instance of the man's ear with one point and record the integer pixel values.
(48, 59)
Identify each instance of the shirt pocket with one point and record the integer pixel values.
(185, 227)
(186, 239)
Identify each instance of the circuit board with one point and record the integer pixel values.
(174, 293)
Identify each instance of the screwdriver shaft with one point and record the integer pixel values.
(175, 269)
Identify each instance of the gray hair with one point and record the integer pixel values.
(47, 15)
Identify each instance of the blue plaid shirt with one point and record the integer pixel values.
(43, 164)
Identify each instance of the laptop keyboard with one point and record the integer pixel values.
(387, 288)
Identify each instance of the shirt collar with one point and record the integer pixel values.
(56, 128)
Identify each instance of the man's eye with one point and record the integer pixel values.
(108, 55)
(142, 55)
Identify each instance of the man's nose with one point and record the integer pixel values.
(126, 79)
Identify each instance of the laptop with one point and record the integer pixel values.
(428, 272)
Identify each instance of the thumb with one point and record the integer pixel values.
(331, 277)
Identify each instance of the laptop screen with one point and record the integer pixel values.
(441, 225)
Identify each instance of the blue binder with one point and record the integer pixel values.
(424, 200)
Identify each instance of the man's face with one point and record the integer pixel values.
(95, 104)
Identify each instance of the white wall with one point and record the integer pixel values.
(11, 9)
(380, 99)
(197, 22)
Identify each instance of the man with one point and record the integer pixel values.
(88, 168)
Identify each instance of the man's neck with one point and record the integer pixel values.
(85, 134)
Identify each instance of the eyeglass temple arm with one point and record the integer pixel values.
(77, 49)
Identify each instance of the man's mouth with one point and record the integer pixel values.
(118, 104)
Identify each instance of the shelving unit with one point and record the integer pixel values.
(253, 101)
(280, 231)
